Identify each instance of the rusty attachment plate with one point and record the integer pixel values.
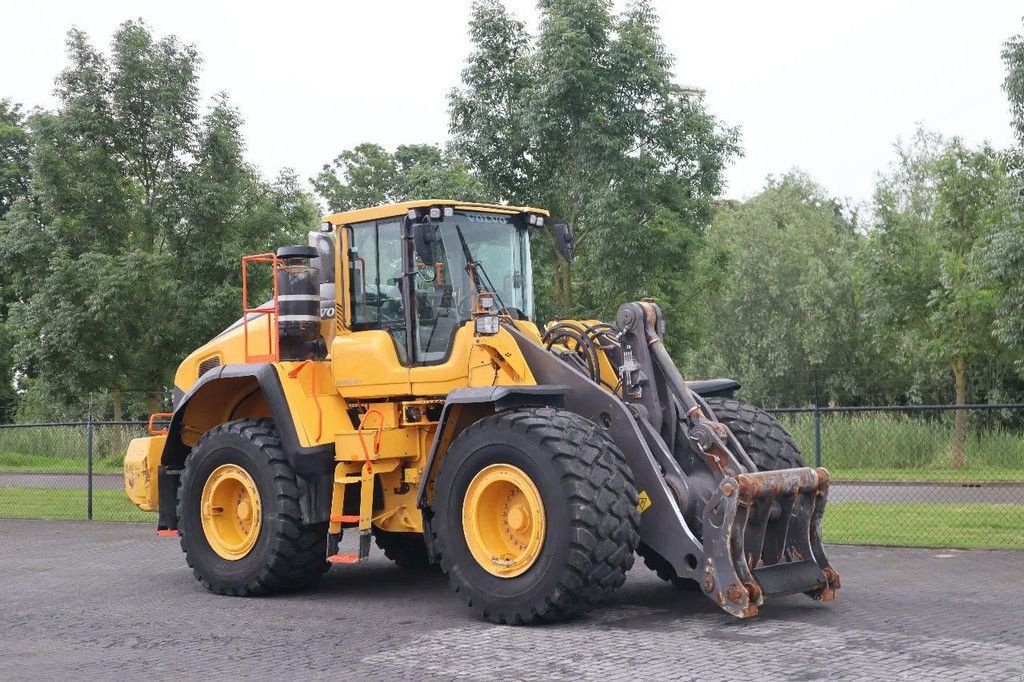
(762, 536)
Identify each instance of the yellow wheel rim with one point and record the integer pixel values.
(231, 512)
(503, 520)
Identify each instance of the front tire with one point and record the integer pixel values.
(534, 516)
(238, 514)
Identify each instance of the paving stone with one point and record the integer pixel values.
(114, 601)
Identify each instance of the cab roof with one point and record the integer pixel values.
(392, 210)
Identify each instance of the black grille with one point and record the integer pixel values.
(208, 364)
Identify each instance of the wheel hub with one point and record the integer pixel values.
(231, 512)
(503, 520)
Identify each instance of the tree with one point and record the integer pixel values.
(937, 211)
(14, 147)
(1005, 257)
(588, 121)
(127, 258)
(784, 312)
(368, 175)
(14, 174)
(1013, 58)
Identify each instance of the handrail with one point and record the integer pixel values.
(273, 343)
(158, 415)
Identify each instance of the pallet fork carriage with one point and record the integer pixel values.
(395, 385)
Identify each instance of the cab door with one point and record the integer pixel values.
(369, 354)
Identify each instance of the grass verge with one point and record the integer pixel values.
(14, 462)
(64, 503)
(992, 526)
(911, 446)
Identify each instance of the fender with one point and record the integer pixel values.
(498, 397)
(313, 465)
(714, 388)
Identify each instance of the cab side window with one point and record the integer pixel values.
(375, 261)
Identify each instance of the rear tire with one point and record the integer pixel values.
(761, 435)
(587, 515)
(766, 441)
(282, 554)
(407, 550)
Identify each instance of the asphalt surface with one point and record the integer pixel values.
(114, 601)
(1006, 493)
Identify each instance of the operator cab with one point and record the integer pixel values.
(414, 270)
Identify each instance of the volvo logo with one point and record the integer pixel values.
(477, 218)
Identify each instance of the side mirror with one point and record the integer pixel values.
(564, 240)
(424, 235)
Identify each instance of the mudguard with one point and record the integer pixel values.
(714, 388)
(502, 398)
(312, 465)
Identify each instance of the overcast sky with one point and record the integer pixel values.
(823, 86)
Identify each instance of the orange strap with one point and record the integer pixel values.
(376, 437)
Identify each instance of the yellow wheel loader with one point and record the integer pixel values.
(396, 386)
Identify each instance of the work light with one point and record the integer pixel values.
(486, 325)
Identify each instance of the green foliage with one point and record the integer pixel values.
(14, 178)
(937, 211)
(369, 175)
(128, 257)
(14, 146)
(1013, 58)
(1005, 257)
(786, 314)
(588, 121)
(909, 446)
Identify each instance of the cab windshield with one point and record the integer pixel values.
(499, 249)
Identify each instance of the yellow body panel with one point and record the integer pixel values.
(362, 381)
(365, 365)
(317, 416)
(140, 466)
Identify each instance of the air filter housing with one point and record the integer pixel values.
(298, 295)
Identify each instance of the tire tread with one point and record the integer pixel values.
(296, 556)
(603, 510)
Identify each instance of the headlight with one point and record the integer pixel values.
(486, 325)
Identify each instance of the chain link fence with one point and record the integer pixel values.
(70, 470)
(911, 475)
(900, 475)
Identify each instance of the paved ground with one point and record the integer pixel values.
(989, 493)
(1008, 493)
(90, 601)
